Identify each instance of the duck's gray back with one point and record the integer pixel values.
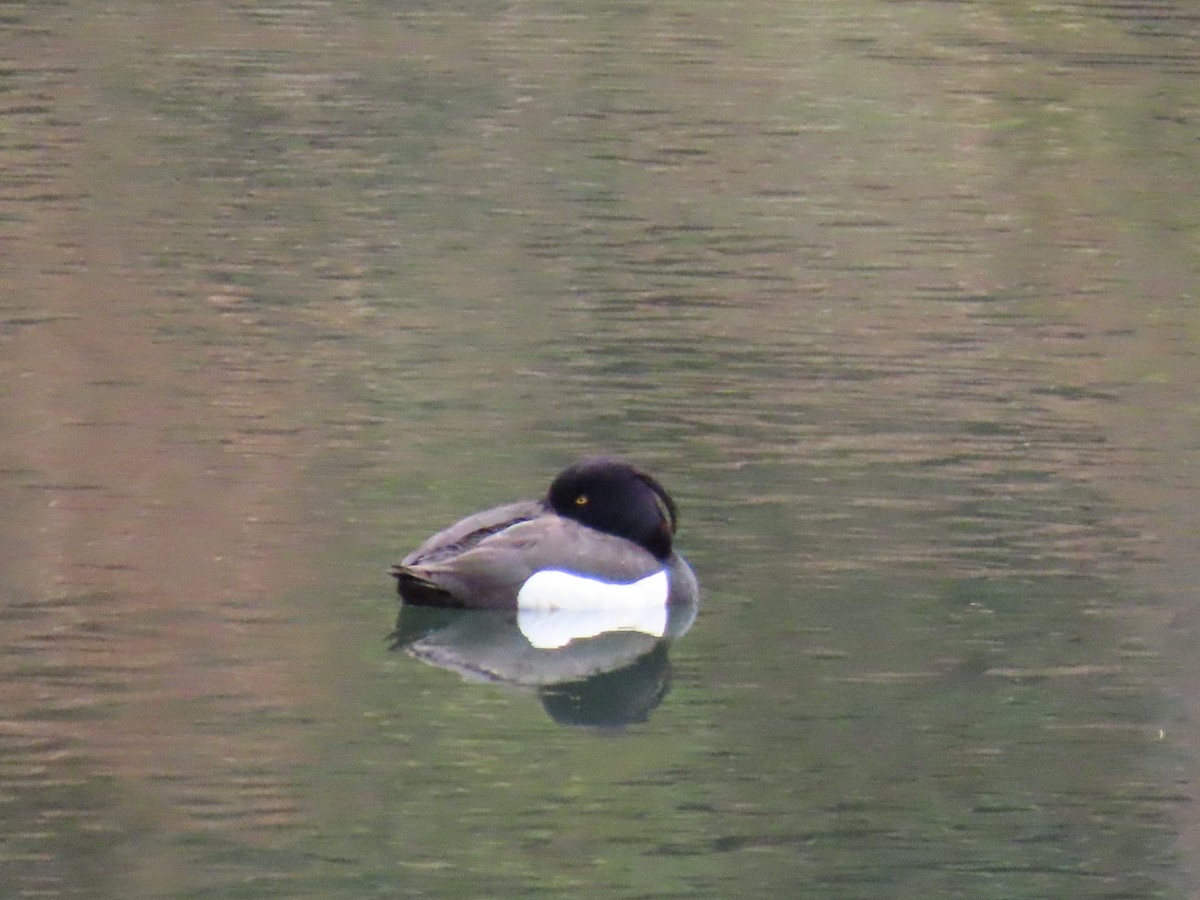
(466, 533)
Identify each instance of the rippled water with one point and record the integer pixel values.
(898, 300)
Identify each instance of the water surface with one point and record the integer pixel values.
(899, 302)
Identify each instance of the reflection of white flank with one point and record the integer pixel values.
(555, 608)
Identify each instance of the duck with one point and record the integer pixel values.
(601, 538)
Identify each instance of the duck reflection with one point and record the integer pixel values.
(601, 668)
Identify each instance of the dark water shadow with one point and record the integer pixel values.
(606, 676)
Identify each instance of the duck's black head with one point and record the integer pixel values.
(614, 497)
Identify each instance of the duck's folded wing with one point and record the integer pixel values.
(468, 532)
(491, 572)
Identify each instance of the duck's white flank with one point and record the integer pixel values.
(555, 607)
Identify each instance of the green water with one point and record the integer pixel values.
(898, 300)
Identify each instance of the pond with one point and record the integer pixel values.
(897, 300)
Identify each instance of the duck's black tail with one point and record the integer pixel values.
(420, 591)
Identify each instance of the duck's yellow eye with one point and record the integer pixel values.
(581, 500)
